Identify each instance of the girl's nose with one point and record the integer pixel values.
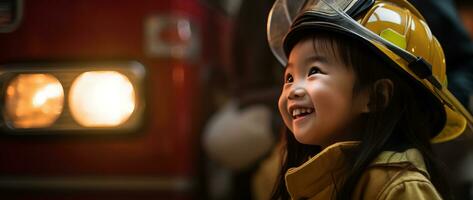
(297, 92)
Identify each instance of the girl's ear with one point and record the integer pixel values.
(381, 93)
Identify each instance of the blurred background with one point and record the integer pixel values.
(168, 99)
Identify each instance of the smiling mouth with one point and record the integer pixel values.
(301, 112)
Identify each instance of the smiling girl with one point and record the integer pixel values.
(364, 96)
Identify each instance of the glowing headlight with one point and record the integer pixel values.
(101, 99)
(66, 98)
(33, 100)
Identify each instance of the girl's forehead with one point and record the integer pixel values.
(321, 46)
(311, 50)
(326, 47)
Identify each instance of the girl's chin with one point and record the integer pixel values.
(304, 139)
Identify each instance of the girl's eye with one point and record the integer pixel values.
(289, 78)
(314, 70)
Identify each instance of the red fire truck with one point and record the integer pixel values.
(104, 99)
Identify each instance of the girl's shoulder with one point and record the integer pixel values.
(396, 175)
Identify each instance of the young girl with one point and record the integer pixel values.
(364, 96)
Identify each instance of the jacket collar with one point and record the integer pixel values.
(327, 168)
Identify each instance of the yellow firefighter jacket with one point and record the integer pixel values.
(392, 175)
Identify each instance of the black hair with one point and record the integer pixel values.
(406, 121)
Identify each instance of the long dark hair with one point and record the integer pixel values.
(408, 120)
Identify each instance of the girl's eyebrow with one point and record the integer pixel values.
(309, 60)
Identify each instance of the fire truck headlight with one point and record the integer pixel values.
(101, 99)
(33, 101)
(70, 98)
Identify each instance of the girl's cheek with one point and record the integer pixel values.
(282, 105)
(327, 101)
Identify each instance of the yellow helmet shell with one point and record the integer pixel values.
(400, 23)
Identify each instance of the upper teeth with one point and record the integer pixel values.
(299, 111)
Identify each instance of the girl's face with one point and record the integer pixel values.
(317, 102)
